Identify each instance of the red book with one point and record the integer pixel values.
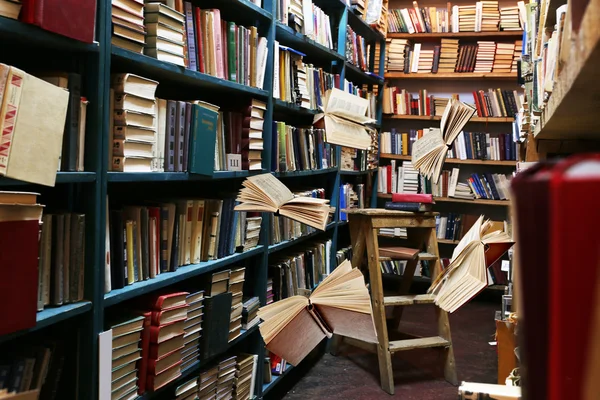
(477, 104)
(412, 198)
(72, 18)
(169, 315)
(170, 300)
(143, 362)
(199, 41)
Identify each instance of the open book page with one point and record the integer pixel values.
(346, 105)
(278, 315)
(349, 293)
(263, 193)
(338, 273)
(429, 154)
(345, 133)
(314, 215)
(459, 114)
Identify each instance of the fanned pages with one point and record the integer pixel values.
(429, 152)
(467, 274)
(265, 193)
(344, 117)
(340, 305)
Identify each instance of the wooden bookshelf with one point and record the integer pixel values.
(504, 203)
(452, 75)
(500, 35)
(454, 160)
(439, 118)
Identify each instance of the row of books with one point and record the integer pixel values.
(147, 241)
(452, 57)
(480, 186)
(298, 83)
(301, 271)
(284, 229)
(195, 38)
(354, 159)
(366, 93)
(397, 267)
(358, 51)
(300, 149)
(351, 196)
(304, 17)
(454, 226)
(484, 16)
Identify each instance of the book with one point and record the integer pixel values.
(340, 305)
(467, 275)
(429, 152)
(471, 390)
(265, 193)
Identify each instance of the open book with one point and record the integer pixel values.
(340, 305)
(429, 152)
(467, 275)
(344, 117)
(265, 193)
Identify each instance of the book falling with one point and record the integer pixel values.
(340, 305)
(283, 228)
(265, 193)
(467, 273)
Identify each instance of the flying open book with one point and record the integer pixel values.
(344, 118)
(340, 305)
(429, 152)
(467, 275)
(265, 193)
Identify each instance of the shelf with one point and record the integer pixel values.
(351, 173)
(176, 176)
(357, 75)
(280, 106)
(504, 203)
(195, 368)
(275, 378)
(314, 51)
(169, 278)
(246, 7)
(439, 118)
(50, 316)
(458, 35)
(13, 31)
(160, 70)
(453, 75)
(285, 244)
(61, 177)
(572, 109)
(309, 172)
(455, 160)
(361, 27)
(448, 241)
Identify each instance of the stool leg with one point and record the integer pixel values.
(383, 354)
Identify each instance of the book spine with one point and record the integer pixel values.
(191, 42)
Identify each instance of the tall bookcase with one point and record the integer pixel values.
(32, 49)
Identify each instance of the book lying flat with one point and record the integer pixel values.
(467, 275)
(265, 193)
(429, 152)
(340, 305)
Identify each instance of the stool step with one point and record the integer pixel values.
(408, 300)
(420, 343)
(420, 256)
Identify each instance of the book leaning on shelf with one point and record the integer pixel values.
(265, 193)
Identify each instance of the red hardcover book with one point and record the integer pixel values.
(477, 104)
(72, 18)
(169, 315)
(199, 41)
(412, 198)
(19, 248)
(170, 300)
(142, 363)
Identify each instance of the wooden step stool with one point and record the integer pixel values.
(420, 227)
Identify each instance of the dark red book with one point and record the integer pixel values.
(142, 363)
(412, 198)
(72, 18)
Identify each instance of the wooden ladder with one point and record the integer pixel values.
(420, 227)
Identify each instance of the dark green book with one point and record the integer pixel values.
(202, 140)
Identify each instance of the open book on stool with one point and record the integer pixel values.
(340, 305)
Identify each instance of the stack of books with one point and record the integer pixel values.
(485, 56)
(503, 59)
(488, 16)
(448, 55)
(396, 50)
(517, 55)
(509, 19)
(208, 384)
(187, 390)
(252, 136)
(192, 329)
(467, 18)
(270, 294)
(236, 287)
(166, 30)
(245, 374)
(296, 16)
(218, 283)
(125, 354)
(462, 191)
(425, 62)
(250, 313)
(358, 6)
(439, 105)
(226, 376)
(135, 112)
(252, 232)
(128, 25)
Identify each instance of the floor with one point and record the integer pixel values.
(353, 375)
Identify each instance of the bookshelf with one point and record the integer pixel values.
(89, 191)
(458, 35)
(455, 160)
(453, 75)
(439, 118)
(504, 203)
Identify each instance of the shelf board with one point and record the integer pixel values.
(241, 6)
(52, 315)
(439, 118)
(504, 203)
(347, 172)
(501, 35)
(287, 243)
(161, 70)
(309, 172)
(61, 177)
(169, 278)
(361, 27)
(357, 75)
(274, 379)
(314, 51)
(455, 160)
(16, 31)
(176, 176)
(453, 75)
(281, 106)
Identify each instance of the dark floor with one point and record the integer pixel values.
(353, 375)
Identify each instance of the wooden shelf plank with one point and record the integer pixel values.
(356, 75)
(438, 118)
(61, 177)
(274, 379)
(453, 75)
(455, 160)
(466, 35)
(504, 203)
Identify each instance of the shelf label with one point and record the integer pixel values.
(234, 162)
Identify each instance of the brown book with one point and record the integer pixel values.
(398, 253)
